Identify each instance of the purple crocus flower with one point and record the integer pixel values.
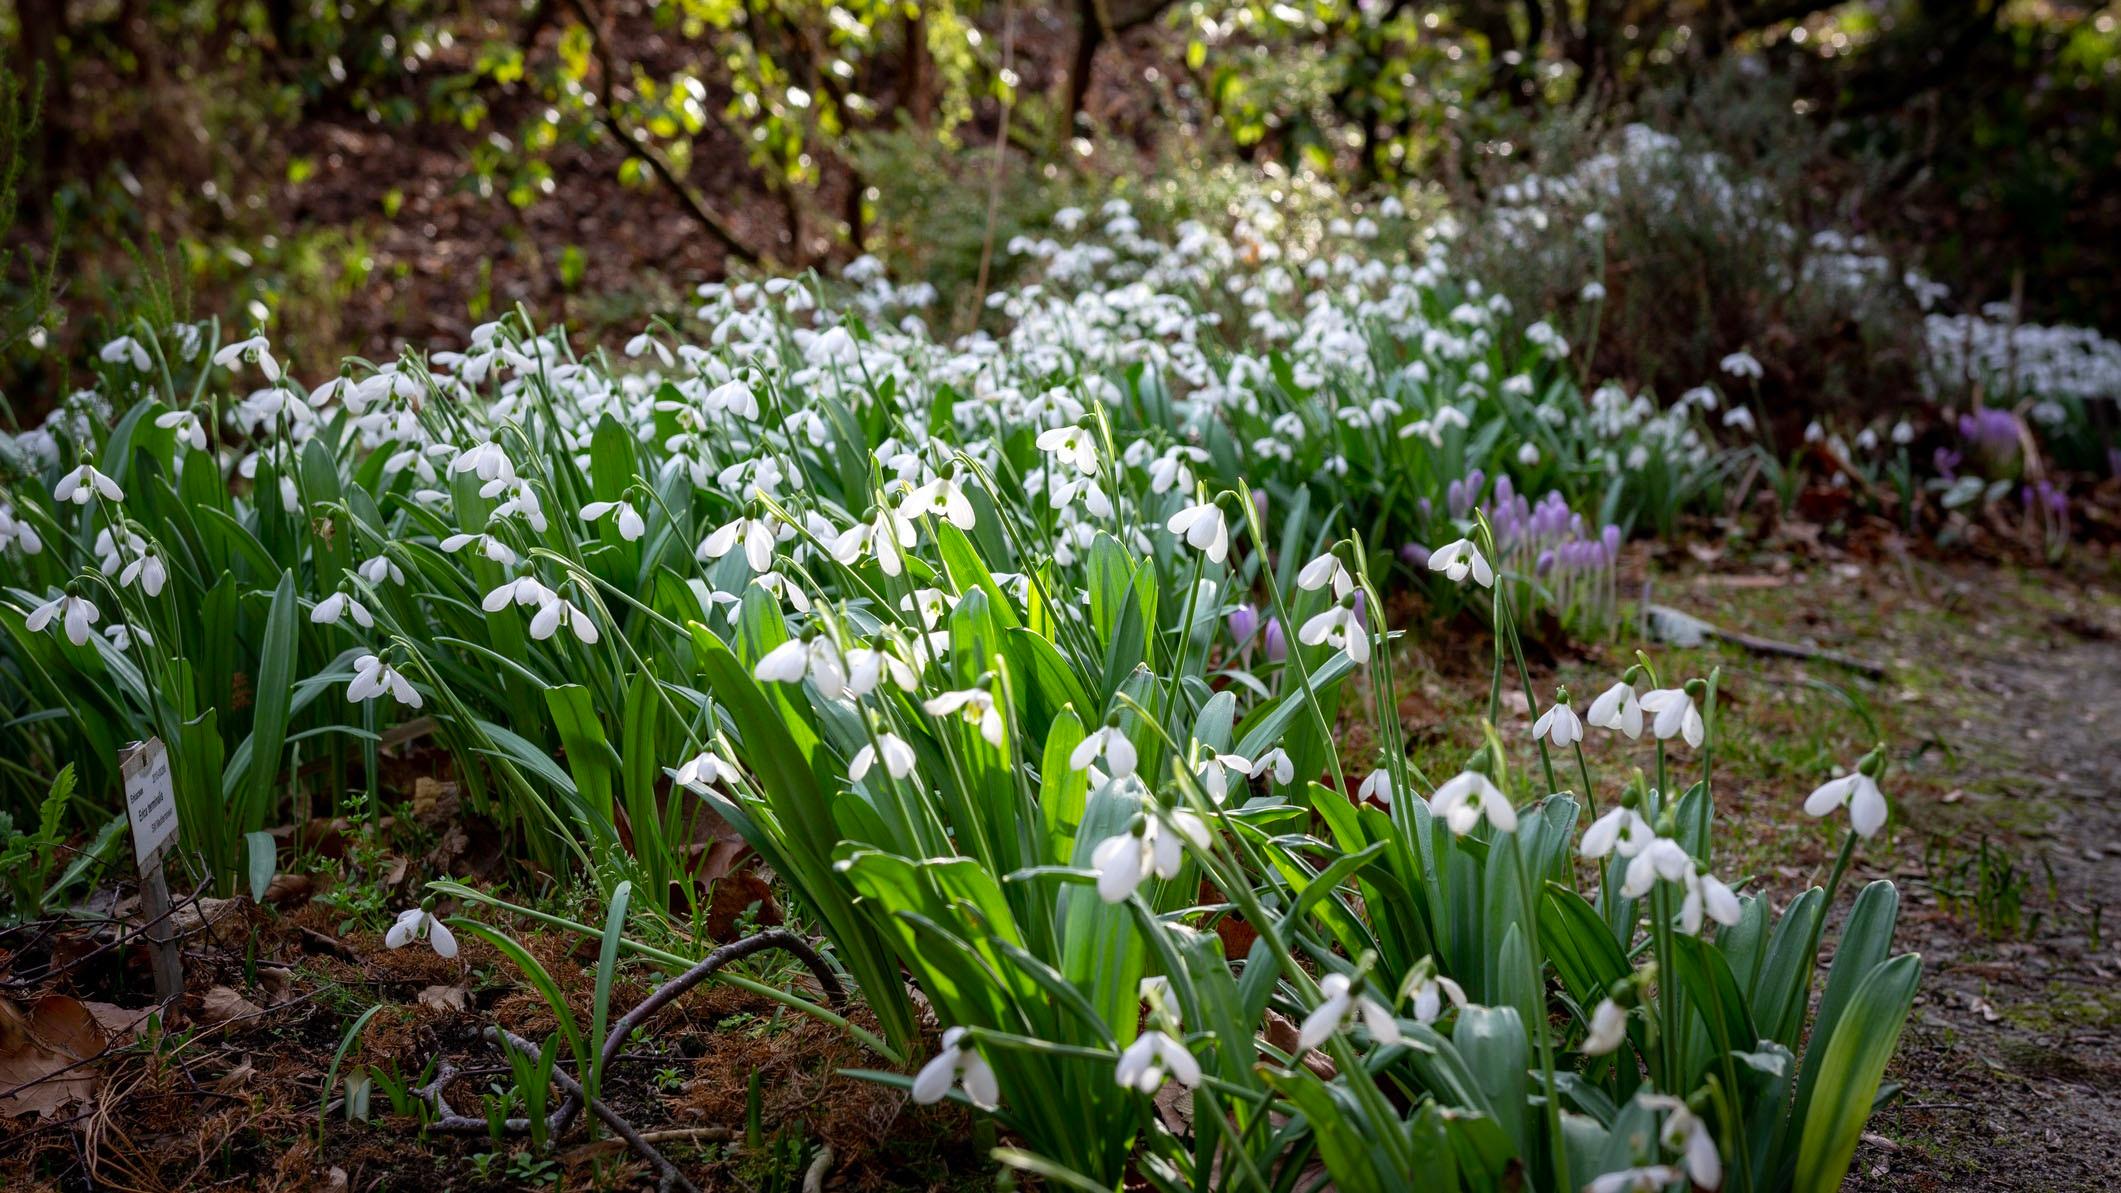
(1244, 622)
(1277, 642)
(1415, 556)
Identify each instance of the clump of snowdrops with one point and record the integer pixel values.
(947, 636)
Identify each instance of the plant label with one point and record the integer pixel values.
(150, 800)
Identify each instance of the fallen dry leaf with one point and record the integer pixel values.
(119, 1024)
(41, 1055)
(221, 1004)
(736, 892)
(290, 890)
(445, 998)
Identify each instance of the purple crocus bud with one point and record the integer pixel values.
(1545, 563)
(1244, 622)
(1947, 463)
(1414, 555)
(1361, 608)
(1427, 510)
(1259, 505)
(1610, 536)
(1277, 643)
(1454, 498)
(2057, 500)
(1504, 490)
(1475, 481)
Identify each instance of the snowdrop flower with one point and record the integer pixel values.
(1107, 740)
(338, 605)
(975, 706)
(1462, 801)
(15, 532)
(148, 571)
(1275, 762)
(734, 397)
(1661, 858)
(1340, 628)
(1857, 792)
(254, 350)
(1153, 1055)
(1738, 418)
(557, 611)
(373, 677)
(1203, 529)
(706, 769)
(1215, 771)
(1341, 1003)
(1608, 1030)
(957, 1064)
(1456, 560)
(758, 538)
(187, 426)
(1430, 989)
(1706, 895)
(1153, 846)
(868, 665)
(121, 636)
(1685, 1133)
(84, 483)
(627, 518)
(1324, 570)
(75, 614)
(523, 590)
(1652, 1179)
(942, 498)
(1675, 715)
(891, 749)
(815, 656)
(1071, 445)
(1377, 786)
(489, 546)
(126, 350)
(1559, 725)
(1741, 364)
(1617, 709)
(416, 923)
(1622, 831)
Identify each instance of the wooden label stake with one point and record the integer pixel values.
(151, 806)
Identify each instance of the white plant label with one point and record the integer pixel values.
(150, 800)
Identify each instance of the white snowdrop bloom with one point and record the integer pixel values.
(557, 611)
(1462, 801)
(889, 536)
(1155, 847)
(126, 350)
(1460, 559)
(1867, 439)
(1608, 1029)
(1661, 858)
(1903, 432)
(1654, 1178)
(868, 665)
(734, 397)
(1431, 990)
(1340, 628)
(624, 516)
(1275, 762)
(338, 605)
(523, 590)
(254, 350)
(960, 1064)
(16, 532)
(645, 342)
(1685, 1133)
(1215, 771)
(488, 461)
(974, 706)
(1110, 742)
(1741, 364)
(1617, 709)
(1560, 725)
(1621, 830)
(1339, 1004)
(1706, 895)
(1377, 786)
(1172, 469)
(816, 657)
(1151, 1059)
(941, 498)
(374, 678)
(187, 426)
(417, 923)
(122, 636)
(1674, 715)
(489, 546)
(1857, 792)
(756, 535)
(706, 769)
(1075, 445)
(74, 614)
(1204, 530)
(147, 570)
(1324, 570)
(85, 483)
(888, 748)
(1738, 418)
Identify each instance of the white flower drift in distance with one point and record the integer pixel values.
(1340, 1002)
(74, 614)
(1341, 628)
(1153, 847)
(1461, 559)
(959, 1064)
(1203, 529)
(975, 707)
(1560, 725)
(1110, 742)
(1674, 715)
(628, 519)
(815, 656)
(1617, 709)
(1153, 1058)
(373, 678)
(417, 923)
(85, 483)
(1857, 792)
(890, 749)
(1464, 800)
